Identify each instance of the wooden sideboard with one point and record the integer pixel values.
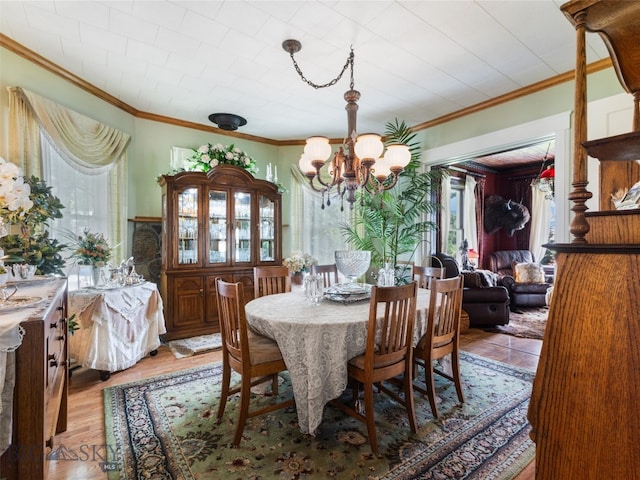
(584, 404)
(41, 387)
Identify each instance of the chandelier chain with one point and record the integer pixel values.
(348, 63)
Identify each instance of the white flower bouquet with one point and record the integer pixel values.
(14, 195)
(299, 262)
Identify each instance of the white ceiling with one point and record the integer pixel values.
(414, 60)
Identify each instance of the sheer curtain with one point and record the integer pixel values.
(316, 231)
(540, 222)
(89, 148)
(445, 212)
(82, 195)
(469, 223)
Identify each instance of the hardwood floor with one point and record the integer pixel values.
(85, 433)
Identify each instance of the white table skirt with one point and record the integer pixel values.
(118, 327)
(316, 344)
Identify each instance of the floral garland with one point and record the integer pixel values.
(299, 262)
(14, 195)
(208, 156)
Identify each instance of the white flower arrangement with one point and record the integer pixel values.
(299, 262)
(208, 156)
(14, 195)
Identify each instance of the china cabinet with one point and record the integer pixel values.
(216, 224)
(584, 404)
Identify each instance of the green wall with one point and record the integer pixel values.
(545, 103)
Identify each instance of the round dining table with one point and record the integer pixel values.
(317, 341)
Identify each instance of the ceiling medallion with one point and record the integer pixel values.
(227, 121)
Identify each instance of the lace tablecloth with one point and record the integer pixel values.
(118, 327)
(316, 342)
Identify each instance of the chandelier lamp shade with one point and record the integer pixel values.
(545, 182)
(360, 163)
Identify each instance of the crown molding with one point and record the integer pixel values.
(41, 61)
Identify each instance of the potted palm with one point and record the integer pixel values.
(393, 223)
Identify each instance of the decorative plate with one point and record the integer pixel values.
(335, 297)
(348, 293)
(17, 303)
(349, 289)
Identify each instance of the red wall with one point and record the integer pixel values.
(508, 187)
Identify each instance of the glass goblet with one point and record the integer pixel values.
(352, 264)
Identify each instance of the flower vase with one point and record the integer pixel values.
(387, 275)
(297, 278)
(95, 273)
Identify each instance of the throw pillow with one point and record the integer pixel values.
(528, 273)
(472, 280)
(479, 278)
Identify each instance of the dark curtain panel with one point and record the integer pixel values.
(479, 194)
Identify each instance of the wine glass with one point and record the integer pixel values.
(352, 264)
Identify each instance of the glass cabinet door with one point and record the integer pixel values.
(242, 214)
(188, 226)
(266, 228)
(217, 226)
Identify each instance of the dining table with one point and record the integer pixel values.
(118, 326)
(317, 341)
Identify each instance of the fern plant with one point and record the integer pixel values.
(392, 223)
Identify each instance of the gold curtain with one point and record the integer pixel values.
(87, 145)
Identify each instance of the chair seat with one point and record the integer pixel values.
(262, 349)
(540, 288)
(422, 344)
(358, 362)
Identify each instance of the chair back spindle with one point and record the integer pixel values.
(270, 280)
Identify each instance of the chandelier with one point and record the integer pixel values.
(358, 163)
(546, 178)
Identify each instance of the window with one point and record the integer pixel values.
(456, 214)
(321, 236)
(83, 197)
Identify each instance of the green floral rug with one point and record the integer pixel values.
(165, 427)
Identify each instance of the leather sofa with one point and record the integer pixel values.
(520, 294)
(486, 305)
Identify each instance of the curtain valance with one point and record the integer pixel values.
(87, 144)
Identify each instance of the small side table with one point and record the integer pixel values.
(118, 326)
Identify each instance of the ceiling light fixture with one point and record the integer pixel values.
(358, 162)
(227, 121)
(545, 181)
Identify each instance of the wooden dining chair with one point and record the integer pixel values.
(270, 279)
(255, 357)
(329, 273)
(441, 337)
(424, 275)
(388, 354)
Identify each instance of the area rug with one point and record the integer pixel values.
(165, 427)
(187, 347)
(526, 323)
